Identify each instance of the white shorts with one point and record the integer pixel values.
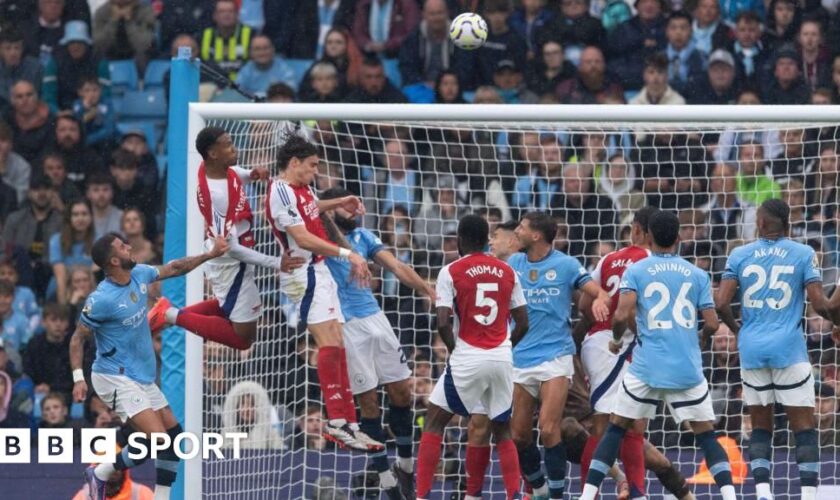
(374, 354)
(604, 369)
(532, 378)
(638, 400)
(125, 396)
(236, 290)
(789, 386)
(314, 292)
(465, 386)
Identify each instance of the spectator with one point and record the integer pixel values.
(248, 409)
(280, 92)
(588, 215)
(428, 51)
(183, 18)
(381, 26)
(750, 54)
(821, 96)
(632, 41)
(792, 161)
(527, 20)
(14, 64)
(732, 219)
(226, 41)
(341, 51)
(81, 285)
(208, 79)
(828, 423)
(300, 29)
(52, 165)
(539, 177)
(782, 24)
(124, 29)
(81, 160)
(802, 229)
(673, 168)
(134, 229)
(373, 87)
(43, 30)
(31, 228)
(732, 8)
(71, 61)
(70, 247)
(264, 68)
(120, 485)
(723, 371)
(592, 84)
(656, 89)
(10, 417)
(97, 115)
(502, 42)
(526, 156)
(323, 84)
(754, 185)
(439, 218)
(708, 33)
(15, 333)
(8, 200)
(100, 195)
(134, 141)
(31, 120)
(487, 95)
(546, 71)
(47, 358)
(823, 186)
(835, 80)
(685, 63)
(54, 413)
(448, 88)
(129, 190)
(310, 435)
(14, 170)
(618, 183)
(574, 29)
(398, 183)
(508, 81)
(719, 85)
(816, 59)
(24, 301)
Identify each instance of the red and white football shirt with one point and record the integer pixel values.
(608, 274)
(289, 205)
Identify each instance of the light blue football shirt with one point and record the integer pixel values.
(356, 302)
(670, 292)
(117, 316)
(548, 286)
(772, 276)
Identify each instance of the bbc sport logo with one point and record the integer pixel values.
(55, 446)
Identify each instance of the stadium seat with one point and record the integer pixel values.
(124, 76)
(143, 104)
(392, 71)
(156, 69)
(299, 66)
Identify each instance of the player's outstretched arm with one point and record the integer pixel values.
(600, 300)
(723, 303)
(247, 255)
(358, 265)
(77, 357)
(404, 273)
(180, 267)
(350, 203)
(624, 318)
(520, 327)
(444, 322)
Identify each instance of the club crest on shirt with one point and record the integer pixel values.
(133, 297)
(551, 275)
(143, 288)
(533, 275)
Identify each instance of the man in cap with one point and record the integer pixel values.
(719, 85)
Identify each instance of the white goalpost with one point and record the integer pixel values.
(418, 168)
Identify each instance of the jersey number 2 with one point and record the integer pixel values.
(683, 310)
(482, 300)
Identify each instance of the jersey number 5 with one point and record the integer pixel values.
(482, 300)
(683, 310)
(776, 272)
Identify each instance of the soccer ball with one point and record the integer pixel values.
(468, 31)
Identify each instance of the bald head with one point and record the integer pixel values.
(591, 61)
(436, 16)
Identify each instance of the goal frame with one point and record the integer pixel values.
(623, 115)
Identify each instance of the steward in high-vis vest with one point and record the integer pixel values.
(226, 43)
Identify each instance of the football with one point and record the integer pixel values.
(468, 31)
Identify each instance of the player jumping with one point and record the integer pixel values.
(294, 211)
(543, 366)
(484, 294)
(123, 374)
(374, 355)
(660, 298)
(231, 317)
(772, 273)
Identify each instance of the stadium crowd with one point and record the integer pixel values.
(75, 164)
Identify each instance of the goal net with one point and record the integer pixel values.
(418, 172)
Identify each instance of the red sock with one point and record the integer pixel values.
(329, 377)
(211, 327)
(632, 454)
(350, 409)
(478, 457)
(509, 458)
(427, 460)
(586, 457)
(206, 308)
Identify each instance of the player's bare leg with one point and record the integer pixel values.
(522, 429)
(553, 394)
(333, 377)
(428, 455)
(397, 482)
(478, 454)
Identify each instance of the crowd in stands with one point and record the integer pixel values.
(76, 162)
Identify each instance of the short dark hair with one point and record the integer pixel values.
(70, 117)
(279, 90)
(56, 396)
(497, 6)
(207, 138)
(295, 147)
(778, 210)
(372, 61)
(10, 34)
(657, 61)
(335, 192)
(101, 251)
(99, 179)
(6, 288)
(642, 217)
(84, 80)
(680, 14)
(748, 16)
(473, 233)
(122, 158)
(664, 226)
(55, 310)
(509, 225)
(544, 223)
